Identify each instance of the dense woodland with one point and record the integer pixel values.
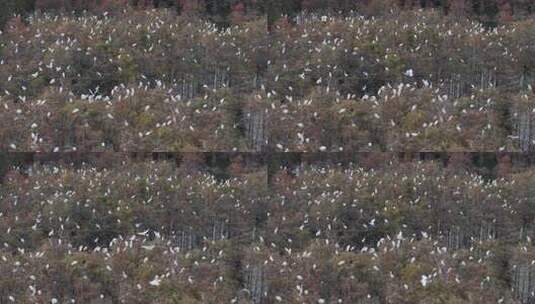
(261, 152)
(152, 80)
(224, 11)
(378, 228)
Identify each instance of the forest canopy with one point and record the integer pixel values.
(152, 80)
(262, 152)
(378, 228)
(224, 11)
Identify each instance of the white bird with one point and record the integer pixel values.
(148, 247)
(155, 282)
(425, 280)
(144, 233)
